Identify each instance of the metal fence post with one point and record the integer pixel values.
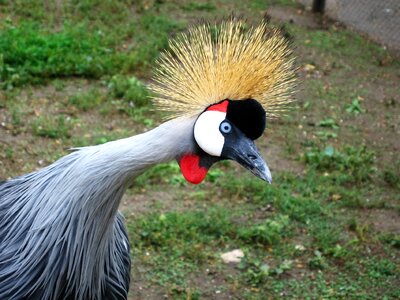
(318, 6)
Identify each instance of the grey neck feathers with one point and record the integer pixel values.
(62, 217)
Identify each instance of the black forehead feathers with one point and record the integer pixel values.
(247, 115)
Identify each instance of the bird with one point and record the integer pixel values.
(61, 233)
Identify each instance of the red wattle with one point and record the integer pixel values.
(222, 107)
(191, 169)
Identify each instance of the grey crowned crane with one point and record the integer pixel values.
(61, 235)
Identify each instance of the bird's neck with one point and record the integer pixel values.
(127, 158)
(100, 174)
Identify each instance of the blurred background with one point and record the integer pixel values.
(74, 73)
(379, 20)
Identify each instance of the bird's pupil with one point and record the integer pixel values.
(226, 127)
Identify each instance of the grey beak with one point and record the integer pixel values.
(244, 151)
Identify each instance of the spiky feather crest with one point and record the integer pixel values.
(211, 63)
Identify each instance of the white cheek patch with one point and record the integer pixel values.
(207, 133)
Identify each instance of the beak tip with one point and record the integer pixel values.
(268, 179)
(267, 176)
(264, 174)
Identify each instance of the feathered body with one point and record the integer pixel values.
(61, 224)
(61, 236)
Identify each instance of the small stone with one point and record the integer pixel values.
(300, 247)
(234, 256)
(309, 67)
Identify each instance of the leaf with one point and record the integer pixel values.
(265, 269)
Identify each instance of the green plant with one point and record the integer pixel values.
(391, 239)
(354, 164)
(9, 153)
(268, 233)
(16, 115)
(31, 54)
(391, 175)
(325, 135)
(345, 42)
(151, 37)
(52, 127)
(354, 107)
(208, 6)
(317, 261)
(382, 268)
(330, 123)
(130, 89)
(256, 273)
(87, 100)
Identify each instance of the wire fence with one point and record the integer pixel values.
(379, 19)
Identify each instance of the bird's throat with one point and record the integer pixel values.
(191, 168)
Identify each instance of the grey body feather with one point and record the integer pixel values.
(61, 235)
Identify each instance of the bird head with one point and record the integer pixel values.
(226, 130)
(229, 79)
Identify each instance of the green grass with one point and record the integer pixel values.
(345, 43)
(29, 54)
(51, 127)
(87, 100)
(208, 6)
(130, 89)
(350, 164)
(181, 243)
(142, 56)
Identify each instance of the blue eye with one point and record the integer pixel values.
(225, 127)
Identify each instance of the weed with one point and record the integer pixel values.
(317, 261)
(329, 123)
(361, 230)
(345, 43)
(31, 54)
(382, 268)
(150, 45)
(58, 84)
(355, 107)
(326, 237)
(16, 116)
(285, 2)
(161, 173)
(326, 135)
(208, 6)
(256, 272)
(353, 164)
(52, 127)
(87, 100)
(9, 153)
(262, 5)
(268, 233)
(391, 175)
(391, 239)
(130, 89)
